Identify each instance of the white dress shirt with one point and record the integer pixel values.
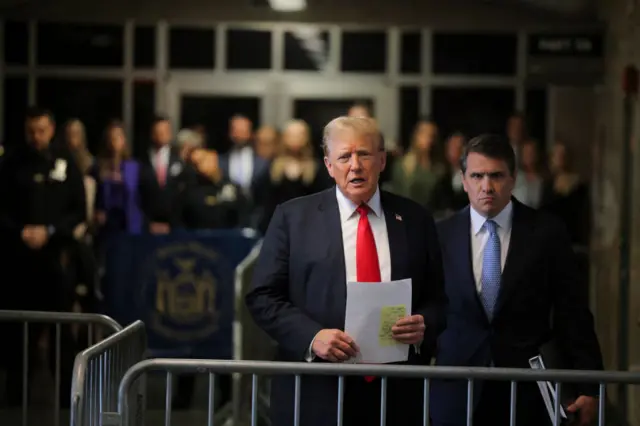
(241, 167)
(479, 237)
(349, 219)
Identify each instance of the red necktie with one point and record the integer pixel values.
(367, 265)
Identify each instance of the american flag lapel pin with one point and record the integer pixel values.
(398, 217)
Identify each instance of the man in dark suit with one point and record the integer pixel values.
(164, 180)
(242, 166)
(313, 247)
(512, 285)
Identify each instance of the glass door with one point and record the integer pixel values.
(210, 101)
(318, 101)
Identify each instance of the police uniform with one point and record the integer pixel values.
(212, 205)
(39, 188)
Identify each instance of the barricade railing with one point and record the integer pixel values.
(124, 417)
(95, 325)
(251, 343)
(98, 370)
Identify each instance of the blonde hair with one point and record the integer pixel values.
(309, 165)
(362, 126)
(81, 154)
(307, 150)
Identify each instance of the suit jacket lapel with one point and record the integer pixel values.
(332, 232)
(397, 236)
(463, 260)
(516, 255)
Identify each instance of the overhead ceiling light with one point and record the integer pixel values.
(288, 5)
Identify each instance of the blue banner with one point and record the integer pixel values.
(181, 285)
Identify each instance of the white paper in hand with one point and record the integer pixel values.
(372, 309)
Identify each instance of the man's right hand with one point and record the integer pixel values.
(334, 345)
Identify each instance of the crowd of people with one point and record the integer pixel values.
(63, 203)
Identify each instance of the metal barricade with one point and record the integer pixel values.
(251, 343)
(94, 323)
(124, 417)
(97, 371)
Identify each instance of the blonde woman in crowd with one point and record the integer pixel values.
(294, 171)
(415, 176)
(75, 138)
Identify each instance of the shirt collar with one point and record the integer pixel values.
(347, 207)
(502, 219)
(163, 150)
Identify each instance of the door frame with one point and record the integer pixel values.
(186, 83)
(345, 87)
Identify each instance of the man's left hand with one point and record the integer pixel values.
(585, 408)
(409, 330)
(35, 236)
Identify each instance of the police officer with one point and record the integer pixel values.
(43, 200)
(215, 202)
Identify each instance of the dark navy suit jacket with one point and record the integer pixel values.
(541, 299)
(299, 288)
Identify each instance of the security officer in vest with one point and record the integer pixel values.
(43, 200)
(215, 202)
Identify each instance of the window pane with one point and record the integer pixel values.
(191, 48)
(144, 51)
(411, 53)
(16, 43)
(306, 50)
(364, 52)
(144, 106)
(480, 54)
(15, 106)
(248, 50)
(409, 113)
(94, 102)
(471, 110)
(80, 44)
(318, 112)
(214, 112)
(536, 111)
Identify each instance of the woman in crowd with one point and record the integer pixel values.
(294, 171)
(530, 178)
(415, 176)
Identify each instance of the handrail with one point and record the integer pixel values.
(60, 317)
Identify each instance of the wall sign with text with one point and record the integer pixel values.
(566, 45)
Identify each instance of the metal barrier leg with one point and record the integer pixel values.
(425, 403)
(212, 399)
(25, 373)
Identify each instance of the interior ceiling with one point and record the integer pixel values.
(560, 6)
(565, 7)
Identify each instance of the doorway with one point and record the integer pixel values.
(213, 114)
(318, 112)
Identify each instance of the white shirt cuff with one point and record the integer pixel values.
(309, 355)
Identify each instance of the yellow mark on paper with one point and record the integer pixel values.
(388, 317)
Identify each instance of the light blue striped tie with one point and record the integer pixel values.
(491, 269)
